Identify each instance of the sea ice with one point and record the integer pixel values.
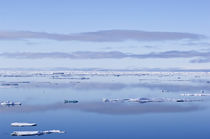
(10, 103)
(27, 133)
(35, 133)
(200, 94)
(147, 100)
(139, 100)
(71, 101)
(18, 124)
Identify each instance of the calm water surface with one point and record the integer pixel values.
(42, 99)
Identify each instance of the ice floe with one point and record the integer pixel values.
(26, 133)
(144, 100)
(147, 100)
(35, 133)
(18, 124)
(71, 101)
(198, 94)
(185, 100)
(10, 103)
(139, 100)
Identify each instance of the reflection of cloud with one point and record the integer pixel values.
(78, 85)
(174, 87)
(101, 36)
(128, 69)
(204, 44)
(118, 86)
(111, 54)
(105, 108)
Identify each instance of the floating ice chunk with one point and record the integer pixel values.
(133, 100)
(10, 84)
(35, 133)
(114, 100)
(139, 100)
(58, 73)
(53, 131)
(106, 100)
(71, 101)
(186, 100)
(10, 103)
(125, 99)
(147, 100)
(200, 94)
(23, 124)
(27, 133)
(180, 100)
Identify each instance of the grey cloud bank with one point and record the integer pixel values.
(201, 60)
(111, 54)
(102, 36)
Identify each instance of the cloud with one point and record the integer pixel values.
(102, 36)
(74, 55)
(102, 55)
(201, 60)
(105, 108)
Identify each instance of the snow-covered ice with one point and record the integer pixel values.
(139, 100)
(35, 133)
(198, 94)
(18, 124)
(147, 100)
(9, 103)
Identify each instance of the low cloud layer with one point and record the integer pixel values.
(112, 54)
(102, 36)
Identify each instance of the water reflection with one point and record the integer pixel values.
(106, 108)
(109, 86)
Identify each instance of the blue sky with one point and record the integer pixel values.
(106, 34)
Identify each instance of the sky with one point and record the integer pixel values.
(105, 34)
